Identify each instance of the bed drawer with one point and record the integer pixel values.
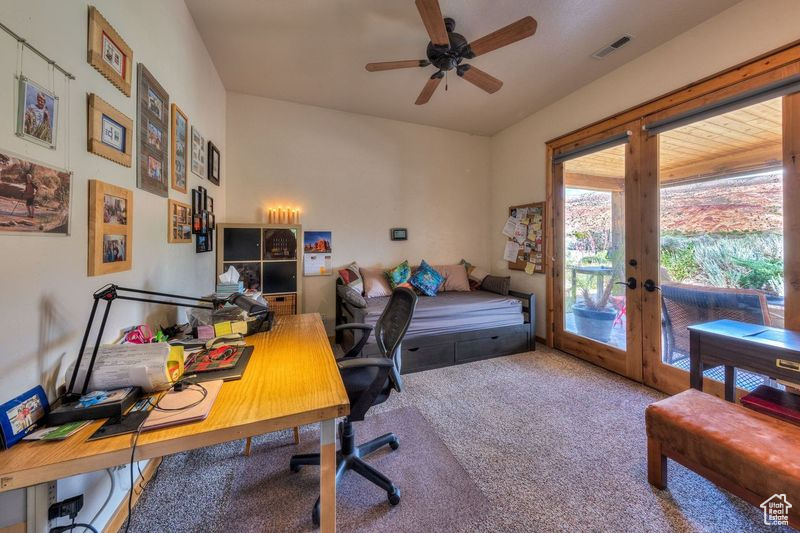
(416, 357)
(492, 345)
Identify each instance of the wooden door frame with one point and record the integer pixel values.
(774, 66)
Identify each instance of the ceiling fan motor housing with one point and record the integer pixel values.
(448, 58)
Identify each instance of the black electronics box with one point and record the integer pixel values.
(63, 412)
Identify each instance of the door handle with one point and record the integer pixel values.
(650, 286)
(631, 283)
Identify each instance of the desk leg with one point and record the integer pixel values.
(695, 362)
(730, 383)
(327, 478)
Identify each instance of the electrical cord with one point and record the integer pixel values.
(179, 385)
(108, 498)
(73, 525)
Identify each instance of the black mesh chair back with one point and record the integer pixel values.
(686, 305)
(391, 327)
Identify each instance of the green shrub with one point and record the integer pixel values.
(764, 274)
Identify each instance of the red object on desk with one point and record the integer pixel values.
(773, 402)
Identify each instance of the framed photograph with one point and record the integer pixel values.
(179, 225)
(21, 416)
(34, 197)
(110, 228)
(198, 153)
(179, 144)
(209, 204)
(152, 153)
(204, 242)
(109, 132)
(108, 53)
(213, 163)
(37, 113)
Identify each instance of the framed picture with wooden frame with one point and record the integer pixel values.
(179, 222)
(179, 137)
(108, 53)
(110, 132)
(110, 228)
(153, 127)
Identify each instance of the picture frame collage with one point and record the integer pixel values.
(167, 146)
(203, 220)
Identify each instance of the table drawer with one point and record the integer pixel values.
(424, 357)
(492, 345)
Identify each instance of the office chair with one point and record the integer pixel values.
(369, 381)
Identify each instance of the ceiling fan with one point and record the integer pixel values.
(448, 49)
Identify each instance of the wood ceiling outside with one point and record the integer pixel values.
(748, 139)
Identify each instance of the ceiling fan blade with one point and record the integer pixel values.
(430, 87)
(391, 65)
(524, 27)
(431, 15)
(479, 78)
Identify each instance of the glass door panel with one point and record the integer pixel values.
(721, 228)
(594, 247)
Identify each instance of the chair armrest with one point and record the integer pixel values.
(354, 325)
(361, 362)
(356, 349)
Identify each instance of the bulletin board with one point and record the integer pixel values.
(528, 232)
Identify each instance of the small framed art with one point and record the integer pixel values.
(110, 132)
(179, 216)
(153, 109)
(110, 228)
(213, 163)
(198, 153)
(179, 135)
(108, 53)
(37, 113)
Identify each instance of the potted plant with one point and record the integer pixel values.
(594, 317)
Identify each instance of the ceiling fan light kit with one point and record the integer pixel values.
(447, 50)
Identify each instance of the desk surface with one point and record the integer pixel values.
(762, 335)
(292, 379)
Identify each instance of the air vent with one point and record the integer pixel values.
(613, 47)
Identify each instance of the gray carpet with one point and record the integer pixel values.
(532, 442)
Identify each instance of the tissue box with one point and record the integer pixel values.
(226, 289)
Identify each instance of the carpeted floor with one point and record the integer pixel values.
(539, 441)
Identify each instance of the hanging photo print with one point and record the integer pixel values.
(37, 113)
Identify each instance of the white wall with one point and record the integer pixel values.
(740, 33)
(358, 176)
(46, 294)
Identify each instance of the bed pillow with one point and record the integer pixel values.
(351, 277)
(375, 283)
(351, 296)
(426, 279)
(455, 277)
(399, 275)
(475, 275)
(496, 284)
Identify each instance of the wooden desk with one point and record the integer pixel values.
(770, 351)
(291, 380)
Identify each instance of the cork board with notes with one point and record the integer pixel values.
(525, 229)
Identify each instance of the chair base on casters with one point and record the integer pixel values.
(350, 458)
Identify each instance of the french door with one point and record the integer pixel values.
(597, 312)
(675, 218)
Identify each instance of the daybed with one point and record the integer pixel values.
(451, 327)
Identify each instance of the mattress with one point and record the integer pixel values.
(451, 312)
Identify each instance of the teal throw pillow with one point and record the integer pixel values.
(399, 274)
(426, 279)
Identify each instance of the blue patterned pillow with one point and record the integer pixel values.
(426, 279)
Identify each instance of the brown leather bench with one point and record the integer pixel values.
(744, 452)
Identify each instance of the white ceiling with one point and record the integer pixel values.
(314, 52)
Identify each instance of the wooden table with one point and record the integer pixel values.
(291, 380)
(773, 352)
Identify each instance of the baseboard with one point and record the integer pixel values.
(16, 528)
(541, 340)
(121, 514)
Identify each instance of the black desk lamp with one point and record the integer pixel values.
(67, 410)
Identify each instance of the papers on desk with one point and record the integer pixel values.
(57, 432)
(153, 367)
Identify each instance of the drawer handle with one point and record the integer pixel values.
(494, 338)
(413, 349)
(788, 365)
